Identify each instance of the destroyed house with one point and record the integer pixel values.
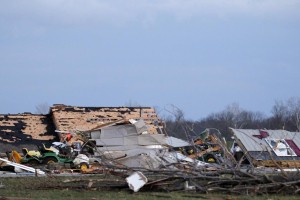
(25, 130)
(28, 130)
(269, 148)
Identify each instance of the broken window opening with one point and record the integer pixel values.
(280, 147)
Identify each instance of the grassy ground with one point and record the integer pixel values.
(56, 188)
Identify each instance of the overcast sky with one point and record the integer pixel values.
(197, 55)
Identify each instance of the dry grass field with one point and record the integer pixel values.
(25, 188)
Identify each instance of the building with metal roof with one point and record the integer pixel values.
(269, 147)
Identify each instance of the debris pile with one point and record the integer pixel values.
(126, 154)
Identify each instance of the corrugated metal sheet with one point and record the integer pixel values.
(176, 142)
(250, 143)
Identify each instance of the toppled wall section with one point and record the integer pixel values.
(25, 130)
(70, 118)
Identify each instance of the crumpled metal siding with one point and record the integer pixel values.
(252, 143)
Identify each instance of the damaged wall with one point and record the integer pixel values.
(70, 118)
(24, 130)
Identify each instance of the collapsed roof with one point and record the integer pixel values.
(70, 118)
(264, 147)
(22, 129)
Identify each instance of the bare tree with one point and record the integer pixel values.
(42, 108)
(177, 125)
(280, 114)
(233, 115)
(293, 105)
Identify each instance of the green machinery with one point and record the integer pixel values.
(44, 156)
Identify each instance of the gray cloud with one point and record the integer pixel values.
(120, 12)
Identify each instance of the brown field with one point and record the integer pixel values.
(70, 187)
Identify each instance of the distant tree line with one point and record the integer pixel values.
(284, 115)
